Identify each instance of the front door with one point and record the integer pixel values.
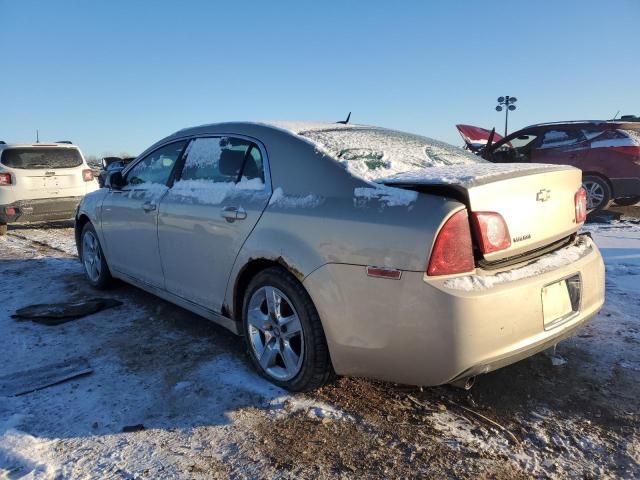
(207, 215)
(130, 216)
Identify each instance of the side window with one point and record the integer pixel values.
(522, 141)
(561, 138)
(157, 166)
(518, 149)
(222, 159)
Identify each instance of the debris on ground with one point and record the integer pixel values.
(52, 314)
(27, 381)
(133, 428)
(603, 216)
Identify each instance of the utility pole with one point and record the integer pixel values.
(508, 103)
(37, 136)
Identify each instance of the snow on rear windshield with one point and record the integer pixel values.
(374, 153)
(39, 157)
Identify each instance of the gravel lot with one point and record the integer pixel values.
(206, 414)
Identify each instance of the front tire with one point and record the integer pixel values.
(95, 265)
(283, 332)
(598, 192)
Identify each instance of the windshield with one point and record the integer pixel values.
(373, 153)
(39, 157)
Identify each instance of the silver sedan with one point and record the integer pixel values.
(349, 249)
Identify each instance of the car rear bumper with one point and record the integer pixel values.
(46, 209)
(419, 332)
(625, 187)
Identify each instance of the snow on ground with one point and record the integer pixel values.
(154, 364)
(58, 237)
(206, 414)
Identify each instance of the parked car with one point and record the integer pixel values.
(112, 163)
(607, 152)
(41, 182)
(349, 249)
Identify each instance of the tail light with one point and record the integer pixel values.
(87, 175)
(492, 231)
(5, 179)
(452, 251)
(581, 205)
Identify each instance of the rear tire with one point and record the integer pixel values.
(283, 332)
(3, 229)
(598, 192)
(95, 265)
(627, 201)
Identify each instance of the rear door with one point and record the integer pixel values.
(208, 213)
(130, 215)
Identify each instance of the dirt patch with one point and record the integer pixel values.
(382, 435)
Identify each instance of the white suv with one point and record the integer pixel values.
(41, 182)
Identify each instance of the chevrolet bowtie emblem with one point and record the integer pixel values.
(543, 195)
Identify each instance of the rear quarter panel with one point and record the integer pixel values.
(340, 230)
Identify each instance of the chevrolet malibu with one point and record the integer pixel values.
(351, 250)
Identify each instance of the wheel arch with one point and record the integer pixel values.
(605, 180)
(592, 173)
(248, 271)
(80, 222)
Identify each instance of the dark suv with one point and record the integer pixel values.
(607, 152)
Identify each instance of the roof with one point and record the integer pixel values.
(311, 126)
(586, 122)
(4, 146)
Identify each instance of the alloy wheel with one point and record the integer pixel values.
(275, 333)
(595, 194)
(91, 256)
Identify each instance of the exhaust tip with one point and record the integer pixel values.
(464, 383)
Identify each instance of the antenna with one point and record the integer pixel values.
(37, 136)
(614, 117)
(344, 122)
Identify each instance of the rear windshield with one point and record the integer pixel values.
(374, 153)
(39, 157)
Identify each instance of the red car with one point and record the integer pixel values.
(607, 152)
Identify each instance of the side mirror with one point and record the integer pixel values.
(114, 180)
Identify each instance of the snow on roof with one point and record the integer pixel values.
(299, 126)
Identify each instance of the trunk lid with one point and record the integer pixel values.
(476, 137)
(537, 201)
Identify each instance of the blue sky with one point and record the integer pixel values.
(115, 76)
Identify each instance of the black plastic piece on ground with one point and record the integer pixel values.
(57, 313)
(603, 216)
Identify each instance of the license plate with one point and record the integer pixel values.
(560, 300)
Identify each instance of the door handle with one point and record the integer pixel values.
(149, 207)
(231, 214)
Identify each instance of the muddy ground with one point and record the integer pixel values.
(569, 413)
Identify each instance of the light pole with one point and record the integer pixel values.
(508, 103)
